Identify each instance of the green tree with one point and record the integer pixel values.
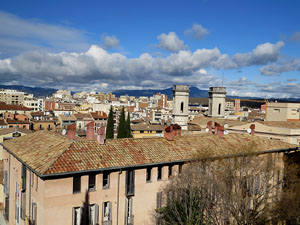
(122, 129)
(128, 128)
(110, 125)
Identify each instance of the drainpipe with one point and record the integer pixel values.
(118, 196)
(29, 195)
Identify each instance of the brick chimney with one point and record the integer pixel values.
(252, 127)
(71, 131)
(176, 130)
(221, 130)
(168, 134)
(216, 128)
(209, 126)
(90, 131)
(101, 135)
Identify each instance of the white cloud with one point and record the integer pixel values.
(170, 42)
(110, 41)
(197, 32)
(261, 55)
(280, 67)
(18, 35)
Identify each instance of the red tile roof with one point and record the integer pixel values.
(99, 115)
(14, 107)
(48, 152)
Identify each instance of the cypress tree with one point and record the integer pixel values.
(128, 128)
(110, 125)
(122, 133)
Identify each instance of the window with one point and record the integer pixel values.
(105, 182)
(129, 216)
(181, 107)
(23, 177)
(76, 184)
(148, 174)
(129, 182)
(219, 110)
(170, 171)
(93, 214)
(159, 173)
(92, 182)
(77, 215)
(106, 213)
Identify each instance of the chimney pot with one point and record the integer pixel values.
(252, 127)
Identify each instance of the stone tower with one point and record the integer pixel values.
(216, 101)
(180, 105)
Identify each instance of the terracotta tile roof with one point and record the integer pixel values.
(143, 126)
(99, 115)
(51, 153)
(10, 121)
(80, 116)
(37, 114)
(14, 107)
(202, 121)
(67, 118)
(4, 131)
(40, 149)
(283, 124)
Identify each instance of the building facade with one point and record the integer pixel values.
(216, 101)
(180, 105)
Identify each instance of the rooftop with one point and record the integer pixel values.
(4, 106)
(144, 126)
(50, 153)
(202, 121)
(4, 131)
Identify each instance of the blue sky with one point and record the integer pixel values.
(109, 45)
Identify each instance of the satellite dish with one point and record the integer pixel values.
(249, 130)
(63, 132)
(207, 130)
(226, 132)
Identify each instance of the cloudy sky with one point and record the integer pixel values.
(252, 47)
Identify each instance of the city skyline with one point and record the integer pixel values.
(142, 45)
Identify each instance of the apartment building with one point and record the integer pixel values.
(11, 97)
(54, 179)
(279, 111)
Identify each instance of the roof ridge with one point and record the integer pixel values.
(55, 160)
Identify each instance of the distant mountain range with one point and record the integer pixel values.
(36, 91)
(194, 93)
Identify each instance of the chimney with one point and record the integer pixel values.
(216, 128)
(90, 131)
(209, 126)
(252, 127)
(176, 130)
(101, 135)
(221, 131)
(71, 131)
(169, 133)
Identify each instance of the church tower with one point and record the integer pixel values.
(216, 101)
(180, 105)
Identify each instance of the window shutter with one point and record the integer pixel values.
(23, 205)
(5, 182)
(110, 211)
(73, 216)
(158, 199)
(96, 213)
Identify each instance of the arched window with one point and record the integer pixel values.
(219, 111)
(181, 107)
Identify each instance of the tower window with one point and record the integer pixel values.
(181, 107)
(219, 111)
